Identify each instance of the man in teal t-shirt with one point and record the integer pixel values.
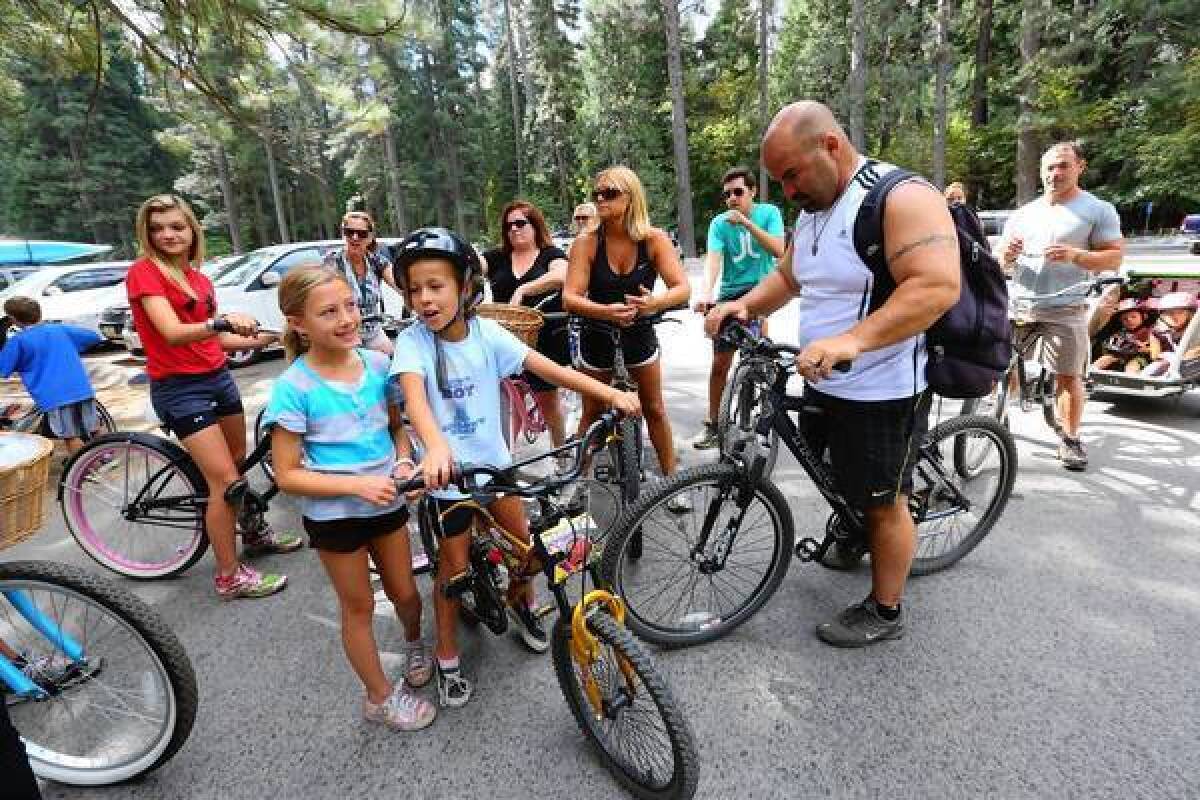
(743, 244)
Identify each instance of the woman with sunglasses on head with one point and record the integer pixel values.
(611, 275)
(365, 268)
(528, 270)
(174, 311)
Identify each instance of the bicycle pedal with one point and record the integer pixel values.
(807, 549)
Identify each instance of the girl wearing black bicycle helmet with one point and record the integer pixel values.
(449, 368)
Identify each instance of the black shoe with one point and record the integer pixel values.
(860, 625)
(530, 627)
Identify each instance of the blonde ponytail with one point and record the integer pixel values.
(293, 293)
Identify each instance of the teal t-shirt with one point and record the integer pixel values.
(743, 260)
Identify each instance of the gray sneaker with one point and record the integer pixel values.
(1073, 455)
(707, 440)
(401, 711)
(859, 626)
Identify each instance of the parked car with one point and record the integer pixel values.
(114, 318)
(1190, 228)
(73, 294)
(993, 225)
(249, 285)
(10, 275)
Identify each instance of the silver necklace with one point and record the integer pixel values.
(817, 233)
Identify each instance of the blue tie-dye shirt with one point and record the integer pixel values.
(344, 430)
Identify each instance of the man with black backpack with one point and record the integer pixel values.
(872, 418)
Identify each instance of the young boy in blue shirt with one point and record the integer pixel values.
(46, 355)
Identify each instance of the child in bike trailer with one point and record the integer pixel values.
(1175, 312)
(46, 355)
(335, 443)
(1128, 349)
(449, 369)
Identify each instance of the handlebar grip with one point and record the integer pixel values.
(221, 325)
(410, 485)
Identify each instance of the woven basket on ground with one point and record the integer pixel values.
(23, 478)
(524, 323)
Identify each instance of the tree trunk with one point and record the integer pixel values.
(232, 217)
(260, 219)
(941, 75)
(764, 44)
(983, 57)
(514, 94)
(856, 81)
(1027, 135)
(396, 187)
(276, 194)
(87, 204)
(683, 174)
(885, 127)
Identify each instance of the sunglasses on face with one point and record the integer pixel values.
(516, 224)
(607, 194)
(583, 218)
(356, 233)
(737, 191)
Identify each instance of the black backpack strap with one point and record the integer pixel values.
(868, 234)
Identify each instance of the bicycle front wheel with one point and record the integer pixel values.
(737, 417)
(135, 503)
(955, 509)
(625, 708)
(120, 694)
(260, 432)
(702, 572)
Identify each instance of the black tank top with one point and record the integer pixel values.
(607, 286)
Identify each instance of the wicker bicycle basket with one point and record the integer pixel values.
(24, 469)
(524, 323)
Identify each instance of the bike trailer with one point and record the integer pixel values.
(1149, 285)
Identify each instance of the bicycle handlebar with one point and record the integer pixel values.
(735, 332)
(501, 480)
(1083, 289)
(638, 322)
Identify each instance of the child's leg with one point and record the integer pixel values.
(1106, 361)
(351, 580)
(510, 514)
(452, 560)
(393, 558)
(74, 445)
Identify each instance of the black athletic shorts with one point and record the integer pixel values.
(450, 517)
(348, 534)
(552, 343)
(872, 446)
(190, 403)
(594, 349)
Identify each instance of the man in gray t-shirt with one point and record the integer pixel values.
(1051, 244)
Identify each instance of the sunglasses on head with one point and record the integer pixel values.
(608, 193)
(356, 233)
(516, 224)
(737, 191)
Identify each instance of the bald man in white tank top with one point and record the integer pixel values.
(872, 418)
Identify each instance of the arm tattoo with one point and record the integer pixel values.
(931, 239)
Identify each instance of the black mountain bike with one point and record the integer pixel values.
(704, 573)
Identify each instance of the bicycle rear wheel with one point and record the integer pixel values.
(741, 406)
(969, 460)
(643, 737)
(954, 510)
(135, 503)
(121, 693)
(690, 586)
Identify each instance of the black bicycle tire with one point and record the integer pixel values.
(107, 423)
(169, 450)
(267, 467)
(154, 632)
(628, 452)
(784, 531)
(725, 417)
(683, 747)
(952, 427)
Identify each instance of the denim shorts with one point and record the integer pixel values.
(190, 403)
(72, 421)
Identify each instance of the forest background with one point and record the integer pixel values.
(272, 116)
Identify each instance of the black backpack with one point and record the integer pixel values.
(970, 345)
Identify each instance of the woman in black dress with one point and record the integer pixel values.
(528, 270)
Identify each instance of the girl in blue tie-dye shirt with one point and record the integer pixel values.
(335, 443)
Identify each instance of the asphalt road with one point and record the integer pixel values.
(1055, 661)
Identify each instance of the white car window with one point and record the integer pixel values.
(88, 279)
(292, 260)
(236, 273)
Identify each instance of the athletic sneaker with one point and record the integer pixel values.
(707, 440)
(268, 540)
(1073, 455)
(453, 689)
(418, 663)
(248, 582)
(529, 627)
(860, 625)
(401, 711)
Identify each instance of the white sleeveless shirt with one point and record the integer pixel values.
(835, 292)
